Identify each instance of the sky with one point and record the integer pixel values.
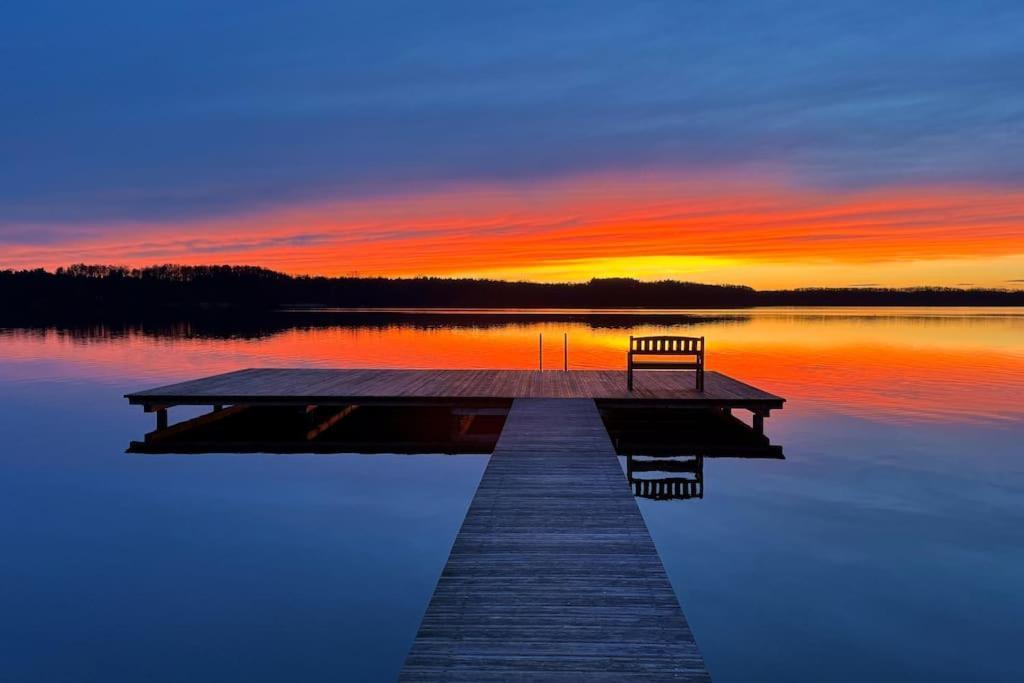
(762, 142)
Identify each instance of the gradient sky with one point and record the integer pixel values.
(760, 142)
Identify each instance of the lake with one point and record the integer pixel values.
(888, 545)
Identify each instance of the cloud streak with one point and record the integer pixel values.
(650, 226)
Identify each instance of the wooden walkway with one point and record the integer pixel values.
(553, 575)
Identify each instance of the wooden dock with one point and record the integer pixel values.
(291, 386)
(553, 575)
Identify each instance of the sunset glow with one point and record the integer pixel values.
(650, 227)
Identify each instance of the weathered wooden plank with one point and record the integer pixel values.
(553, 575)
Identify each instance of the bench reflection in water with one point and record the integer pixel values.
(665, 446)
(659, 478)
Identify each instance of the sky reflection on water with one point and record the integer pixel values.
(886, 545)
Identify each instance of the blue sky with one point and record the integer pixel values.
(128, 109)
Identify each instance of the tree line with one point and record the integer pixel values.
(102, 289)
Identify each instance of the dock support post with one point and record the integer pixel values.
(759, 422)
(161, 419)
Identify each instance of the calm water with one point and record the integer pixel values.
(888, 545)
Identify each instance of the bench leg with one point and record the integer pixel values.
(629, 378)
(700, 380)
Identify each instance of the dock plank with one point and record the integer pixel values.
(553, 575)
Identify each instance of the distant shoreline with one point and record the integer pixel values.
(97, 292)
(636, 311)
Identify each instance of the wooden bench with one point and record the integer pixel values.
(664, 347)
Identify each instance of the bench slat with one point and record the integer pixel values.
(667, 345)
(664, 365)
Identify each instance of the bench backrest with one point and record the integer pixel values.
(666, 346)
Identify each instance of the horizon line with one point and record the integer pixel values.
(865, 287)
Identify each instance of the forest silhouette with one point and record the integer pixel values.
(96, 291)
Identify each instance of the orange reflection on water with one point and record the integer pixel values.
(886, 364)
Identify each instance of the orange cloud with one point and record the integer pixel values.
(574, 229)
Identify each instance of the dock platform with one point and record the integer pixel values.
(294, 386)
(553, 574)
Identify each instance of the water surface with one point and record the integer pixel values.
(886, 546)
